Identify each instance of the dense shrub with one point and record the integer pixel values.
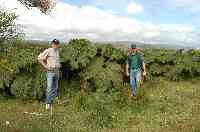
(171, 64)
(85, 66)
(78, 53)
(101, 76)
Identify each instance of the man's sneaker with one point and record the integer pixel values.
(48, 106)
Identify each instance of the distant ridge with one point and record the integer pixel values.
(125, 44)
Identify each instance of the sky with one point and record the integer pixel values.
(147, 21)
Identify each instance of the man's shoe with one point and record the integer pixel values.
(48, 106)
(133, 96)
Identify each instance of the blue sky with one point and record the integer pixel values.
(156, 11)
(148, 21)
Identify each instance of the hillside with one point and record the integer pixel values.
(163, 106)
(94, 93)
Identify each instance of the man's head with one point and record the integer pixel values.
(133, 48)
(55, 43)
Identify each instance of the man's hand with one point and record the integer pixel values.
(127, 70)
(127, 74)
(46, 67)
(44, 64)
(144, 73)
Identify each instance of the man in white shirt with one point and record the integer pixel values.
(50, 60)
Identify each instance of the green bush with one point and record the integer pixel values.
(92, 68)
(101, 76)
(97, 105)
(30, 85)
(78, 53)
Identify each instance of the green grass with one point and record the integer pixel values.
(161, 106)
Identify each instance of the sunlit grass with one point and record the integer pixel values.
(161, 106)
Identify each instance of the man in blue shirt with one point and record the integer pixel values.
(135, 68)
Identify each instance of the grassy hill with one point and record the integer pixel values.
(94, 93)
(162, 106)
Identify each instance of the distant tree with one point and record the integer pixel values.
(44, 5)
(8, 28)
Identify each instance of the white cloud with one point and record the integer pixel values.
(192, 6)
(152, 34)
(68, 21)
(184, 3)
(134, 8)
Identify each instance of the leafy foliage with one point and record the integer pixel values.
(78, 53)
(86, 67)
(95, 95)
(44, 5)
(100, 76)
(171, 64)
(30, 85)
(111, 54)
(17, 65)
(8, 28)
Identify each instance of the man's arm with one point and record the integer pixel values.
(144, 68)
(143, 65)
(127, 69)
(43, 63)
(42, 58)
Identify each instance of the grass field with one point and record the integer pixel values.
(162, 106)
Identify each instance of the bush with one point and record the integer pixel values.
(78, 53)
(85, 67)
(96, 106)
(30, 85)
(100, 76)
(8, 28)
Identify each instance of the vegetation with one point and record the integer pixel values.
(98, 67)
(95, 93)
(8, 28)
(44, 5)
(163, 106)
(173, 65)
